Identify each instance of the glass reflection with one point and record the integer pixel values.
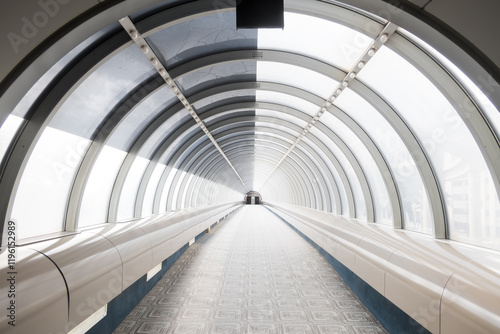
(460, 168)
(416, 211)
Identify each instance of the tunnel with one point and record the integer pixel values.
(135, 134)
(253, 197)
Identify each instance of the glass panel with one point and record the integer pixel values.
(205, 77)
(97, 193)
(479, 96)
(282, 116)
(416, 210)
(158, 136)
(359, 199)
(491, 112)
(91, 102)
(336, 177)
(201, 36)
(40, 202)
(147, 207)
(23, 106)
(264, 158)
(295, 76)
(179, 141)
(177, 186)
(318, 179)
(287, 100)
(224, 98)
(458, 162)
(188, 191)
(228, 116)
(286, 129)
(128, 196)
(317, 38)
(381, 202)
(134, 124)
(166, 190)
(7, 132)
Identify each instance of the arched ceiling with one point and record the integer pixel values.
(173, 107)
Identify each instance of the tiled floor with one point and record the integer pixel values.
(251, 274)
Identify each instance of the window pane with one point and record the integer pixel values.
(94, 98)
(203, 35)
(381, 202)
(281, 116)
(317, 38)
(416, 211)
(217, 75)
(130, 187)
(7, 132)
(478, 95)
(23, 106)
(166, 190)
(287, 100)
(336, 177)
(241, 94)
(175, 203)
(136, 121)
(97, 193)
(457, 160)
(359, 199)
(279, 127)
(40, 202)
(163, 131)
(296, 77)
(147, 207)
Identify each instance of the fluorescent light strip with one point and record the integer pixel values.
(129, 27)
(382, 38)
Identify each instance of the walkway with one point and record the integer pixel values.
(250, 274)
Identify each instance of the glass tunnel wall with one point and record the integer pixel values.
(370, 124)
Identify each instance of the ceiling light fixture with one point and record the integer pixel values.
(389, 29)
(129, 26)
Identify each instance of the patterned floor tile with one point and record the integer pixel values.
(153, 327)
(126, 327)
(225, 328)
(261, 314)
(297, 329)
(262, 329)
(251, 274)
(189, 328)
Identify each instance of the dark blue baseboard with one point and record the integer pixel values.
(124, 303)
(389, 315)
